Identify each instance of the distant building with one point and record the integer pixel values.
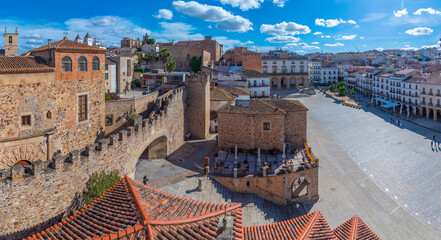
(110, 76)
(11, 44)
(124, 71)
(249, 60)
(130, 43)
(258, 83)
(183, 54)
(157, 76)
(88, 40)
(286, 70)
(212, 46)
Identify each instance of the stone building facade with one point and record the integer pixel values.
(264, 124)
(198, 113)
(249, 60)
(36, 195)
(11, 44)
(286, 70)
(184, 53)
(212, 46)
(59, 99)
(130, 43)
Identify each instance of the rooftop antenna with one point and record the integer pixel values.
(357, 48)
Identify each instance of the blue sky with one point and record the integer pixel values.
(302, 26)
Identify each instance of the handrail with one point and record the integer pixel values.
(309, 154)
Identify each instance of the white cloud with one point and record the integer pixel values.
(315, 43)
(347, 37)
(371, 17)
(230, 43)
(165, 14)
(400, 13)
(283, 39)
(301, 45)
(334, 45)
(279, 3)
(379, 49)
(176, 31)
(284, 28)
(332, 22)
(224, 19)
(430, 46)
(318, 33)
(428, 10)
(409, 48)
(361, 37)
(325, 36)
(244, 5)
(419, 31)
(32, 36)
(301, 51)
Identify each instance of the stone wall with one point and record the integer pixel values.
(281, 189)
(247, 131)
(295, 128)
(47, 188)
(118, 108)
(199, 105)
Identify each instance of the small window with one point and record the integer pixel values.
(95, 64)
(266, 126)
(10, 39)
(66, 64)
(106, 76)
(109, 120)
(26, 121)
(82, 108)
(49, 115)
(82, 64)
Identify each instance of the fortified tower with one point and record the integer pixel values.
(198, 121)
(11, 43)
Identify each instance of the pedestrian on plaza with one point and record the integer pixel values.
(431, 144)
(145, 180)
(433, 137)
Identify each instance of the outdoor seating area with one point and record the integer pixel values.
(386, 103)
(351, 105)
(242, 164)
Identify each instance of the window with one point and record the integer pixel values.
(49, 115)
(109, 120)
(82, 108)
(95, 64)
(106, 76)
(82, 64)
(266, 126)
(26, 121)
(10, 39)
(66, 64)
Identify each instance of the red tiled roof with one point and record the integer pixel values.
(66, 45)
(131, 210)
(13, 65)
(354, 229)
(311, 226)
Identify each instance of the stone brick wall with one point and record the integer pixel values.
(247, 131)
(295, 128)
(118, 108)
(27, 199)
(183, 54)
(279, 189)
(198, 87)
(250, 60)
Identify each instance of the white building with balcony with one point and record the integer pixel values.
(258, 83)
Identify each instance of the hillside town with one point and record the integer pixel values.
(187, 139)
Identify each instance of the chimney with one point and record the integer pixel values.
(65, 38)
(49, 42)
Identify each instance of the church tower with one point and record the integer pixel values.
(88, 40)
(11, 43)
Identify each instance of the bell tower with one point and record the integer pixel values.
(11, 43)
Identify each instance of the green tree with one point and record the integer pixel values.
(150, 41)
(99, 183)
(352, 91)
(139, 49)
(427, 59)
(420, 59)
(195, 64)
(342, 89)
(150, 56)
(332, 87)
(170, 65)
(164, 55)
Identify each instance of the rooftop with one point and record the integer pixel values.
(14, 65)
(219, 94)
(259, 106)
(253, 74)
(66, 45)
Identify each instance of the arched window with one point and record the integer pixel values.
(66, 64)
(95, 64)
(10, 39)
(82, 64)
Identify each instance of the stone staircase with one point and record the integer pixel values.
(256, 210)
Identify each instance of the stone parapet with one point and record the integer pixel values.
(33, 194)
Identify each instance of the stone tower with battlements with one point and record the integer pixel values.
(11, 43)
(198, 112)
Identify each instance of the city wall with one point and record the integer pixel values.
(35, 195)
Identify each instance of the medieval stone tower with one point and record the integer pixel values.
(198, 102)
(11, 44)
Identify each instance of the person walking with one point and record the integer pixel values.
(145, 180)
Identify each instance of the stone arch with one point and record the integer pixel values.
(300, 186)
(274, 82)
(283, 81)
(157, 149)
(9, 156)
(27, 166)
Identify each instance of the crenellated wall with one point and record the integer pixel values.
(46, 189)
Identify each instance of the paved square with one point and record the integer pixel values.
(398, 160)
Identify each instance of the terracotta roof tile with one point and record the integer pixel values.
(259, 106)
(67, 45)
(311, 226)
(218, 94)
(354, 229)
(14, 65)
(235, 91)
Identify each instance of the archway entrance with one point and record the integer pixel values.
(27, 165)
(299, 187)
(23, 163)
(158, 149)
